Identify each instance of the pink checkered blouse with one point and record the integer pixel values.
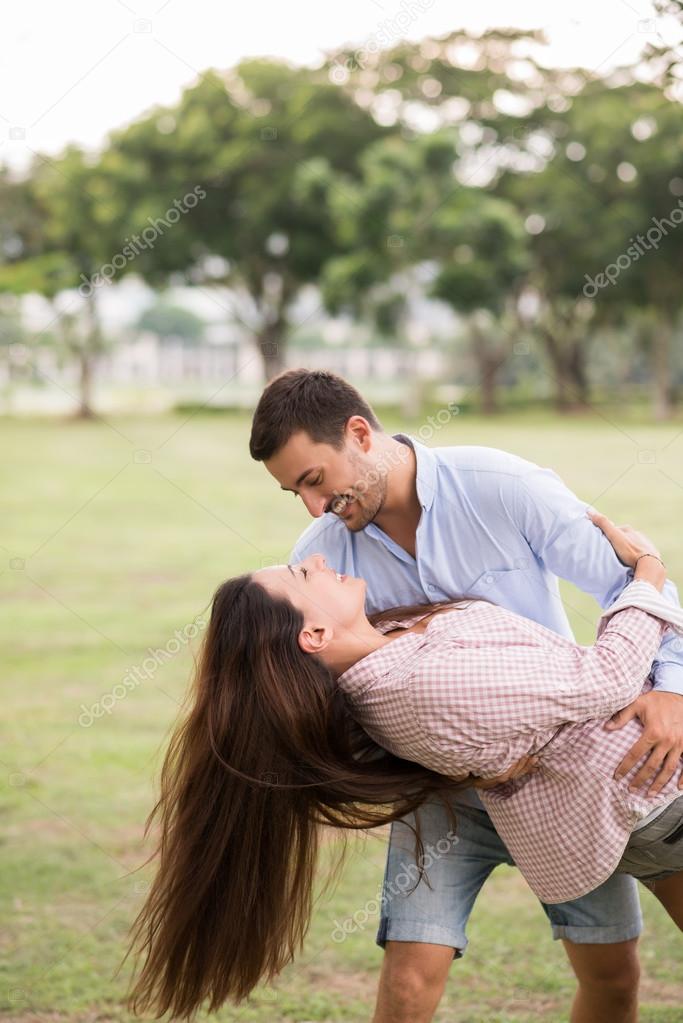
(483, 686)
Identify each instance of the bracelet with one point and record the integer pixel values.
(648, 556)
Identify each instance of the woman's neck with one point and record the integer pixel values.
(363, 639)
(352, 645)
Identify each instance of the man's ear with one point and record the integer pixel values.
(359, 431)
(313, 640)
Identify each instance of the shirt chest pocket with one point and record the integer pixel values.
(518, 589)
(502, 580)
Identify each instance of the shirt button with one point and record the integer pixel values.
(430, 587)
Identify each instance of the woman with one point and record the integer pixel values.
(269, 753)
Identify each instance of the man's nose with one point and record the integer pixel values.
(315, 505)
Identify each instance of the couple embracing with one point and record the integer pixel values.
(413, 664)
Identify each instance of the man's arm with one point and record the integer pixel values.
(556, 527)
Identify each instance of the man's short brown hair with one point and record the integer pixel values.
(316, 401)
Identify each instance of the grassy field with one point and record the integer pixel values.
(114, 536)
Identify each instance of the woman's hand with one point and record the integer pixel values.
(630, 546)
(628, 543)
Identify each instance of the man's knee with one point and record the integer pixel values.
(607, 968)
(413, 977)
(416, 965)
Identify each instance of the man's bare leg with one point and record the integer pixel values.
(608, 977)
(669, 891)
(412, 980)
(414, 976)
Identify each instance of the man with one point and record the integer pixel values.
(423, 525)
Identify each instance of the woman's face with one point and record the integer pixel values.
(325, 598)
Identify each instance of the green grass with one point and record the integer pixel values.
(121, 550)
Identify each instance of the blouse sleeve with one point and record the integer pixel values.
(480, 710)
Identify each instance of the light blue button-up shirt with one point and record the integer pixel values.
(492, 525)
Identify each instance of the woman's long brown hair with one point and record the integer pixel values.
(266, 755)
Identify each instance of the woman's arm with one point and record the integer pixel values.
(479, 710)
(648, 570)
(490, 709)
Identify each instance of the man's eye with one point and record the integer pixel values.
(316, 482)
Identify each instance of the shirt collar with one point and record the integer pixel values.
(425, 459)
(364, 673)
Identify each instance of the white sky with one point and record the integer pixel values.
(74, 69)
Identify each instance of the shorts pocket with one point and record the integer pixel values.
(675, 836)
(666, 829)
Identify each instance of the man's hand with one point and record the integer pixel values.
(525, 765)
(662, 717)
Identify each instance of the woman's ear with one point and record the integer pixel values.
(313, 640)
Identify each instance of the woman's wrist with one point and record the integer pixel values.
(648, 554)
(650, 569)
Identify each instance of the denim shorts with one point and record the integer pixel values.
(457, 864)
(656, 851)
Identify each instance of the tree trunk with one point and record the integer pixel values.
(488, 385)
(271, 345)
(86, 355)
(568, 361)
(85, 380)
(661, 371)
(412, 398)
(489, 360)
(577, 372)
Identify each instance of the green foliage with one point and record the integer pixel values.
(613, 170)
(458, 167)
(172, 322)
(252, 140)
(485, 258)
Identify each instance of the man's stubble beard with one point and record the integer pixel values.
(370, 502)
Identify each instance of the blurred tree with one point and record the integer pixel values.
(13, 346)
(459, 167)
(664, 59)
(602, 217)
(464, 247)
(481, 247)
(504, 108)
(171, 322)
(561, 144)
(67, 231)
(21, 218)
(258, 143)
(447, 80)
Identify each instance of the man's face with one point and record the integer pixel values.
(347, 481)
